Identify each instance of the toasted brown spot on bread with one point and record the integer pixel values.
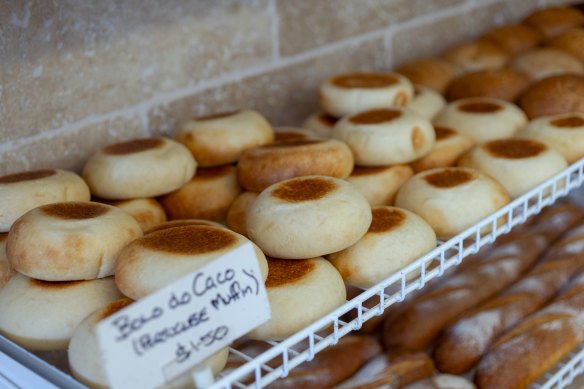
(571, 121)
(418, 138)
(327, 120)
(54, 284)
(449, 178)
(375, 116)
(283, 272)
(364, 80)
(514, 148)
(114, 307)
(218, 115)
(443, 132)
(293, 143)
(365, 171)
(213, 172)
(288, 136)
(193, 239)
(400, 99)
(27, 176)
(303, 189)
(386, 219)
(75, 210)
(482, 107)
(181, 223)
(134, 146)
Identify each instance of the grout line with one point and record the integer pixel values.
(273, 10)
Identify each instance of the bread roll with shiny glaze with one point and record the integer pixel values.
(220, 139)
(147, 212)
(451, 199)
(161, 257)
(347, 94)
(380, 184)
(426, 102)
(555, 20)
(263, 166)
(517, 164)
(386, 136)
(300, 292)
(563, 132)
(514, 38)
(395, 238)
(145, 167)
(70, 241)
(40, 315)
(504, 84)
(6, 270)
(21, 192)
(321, 124)
(84, 356)
(433, 73)
(237, 215)
(308, 217)
(541, 62)
(449, 147)
(207, 196)
(553, 95)
(482, 118)
(476, 55)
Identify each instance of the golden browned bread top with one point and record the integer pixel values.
(218, 115)
(303, 189)
(114, 307)
(181, 223)
(364, 80)
(554, 95)
(432, 72)
(515, 38)
(443, 132)
(505, 84)
(134, 146)
(386, 219)
(514, 148)
(27, 176)
(553, 21)
(449, 178)
(75, 210)
(283, 272)
(480, 107)
(189, 240)
(375, 116)
(568, 122)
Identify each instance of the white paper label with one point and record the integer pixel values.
(166, 334)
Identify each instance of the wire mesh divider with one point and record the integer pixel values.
(325, 332)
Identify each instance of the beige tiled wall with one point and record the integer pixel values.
(77, 75)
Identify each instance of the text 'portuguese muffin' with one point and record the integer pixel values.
(554, 95)
(433, 73)
(555, 20)
(395, 238)
(482, 118)
(477, 55)
(161, 257)
(84, 356)
(308, 217)
(237, 215)
(6, 270)
(504, 84)
(426, 102)
(450, 145)
(207, 196)
(517, 164)
(563, 132)
(542, 62)
(145, 167)
(346, 94)
(21, 192)
(386, 136)
(514, 38)
(451, 199)
(147, 212)
(221, 138)
(42, 315)
(380, 184)
(70, 241)
(321, 124)
(263, 166)
(300, 292)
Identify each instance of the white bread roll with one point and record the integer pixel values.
(21, 192)
(147, 212)
(84, 355)
(386, 136)
(482, 118)
(145, 167)
(237, 215)
(307, 217)
(207, 196)
(300, 292)
(70, 241)
(450, 145)
(220, 139)
(451, 199)
(6, 270)
(517, 164)
(321, 124)
(40, 315)
(161, 257)
(542, 62)
(426, 102)
(563, 132)
(395, 239)
(293, 133)
(380, 184)
(347, 94)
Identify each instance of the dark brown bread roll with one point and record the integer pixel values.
(553, 95)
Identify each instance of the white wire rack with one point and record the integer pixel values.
(327, 331)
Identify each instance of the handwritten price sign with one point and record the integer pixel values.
(164, 335)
